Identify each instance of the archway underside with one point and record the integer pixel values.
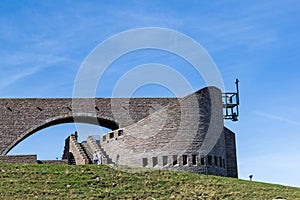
(70, 119)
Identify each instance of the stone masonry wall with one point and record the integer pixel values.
(20, 118)
(19, 159)
(154, 130)
(169, 132)
(231, 159)
(63, 161)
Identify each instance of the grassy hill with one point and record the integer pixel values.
(93, 182)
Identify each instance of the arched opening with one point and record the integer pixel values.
(47, 141)
(71, 159)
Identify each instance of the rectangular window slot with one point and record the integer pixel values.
(224, 164)
(120, 132)
(104, 138)
(194, 159)
(175, 159)
(111, 135)
(202, 161)
(209, 160)
(165, 160)
(220, 161)
(145, 162)
(154, 161)
(184, 160)
(216, 161)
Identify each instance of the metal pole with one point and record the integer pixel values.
(237, 96)
(237, 91)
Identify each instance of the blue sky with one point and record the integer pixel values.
(43, 44)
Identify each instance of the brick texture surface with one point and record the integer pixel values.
(151, 128)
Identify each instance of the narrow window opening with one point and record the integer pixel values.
(209, 160)
(120, 132)
(145, 162)
(220, 161)
(216, 161)
(154, 161)
(174, 159)
(194, 159)
(202, 161)
(104, 138)
(184, 160)
(111, 135)
(165, 160)
(224, 164)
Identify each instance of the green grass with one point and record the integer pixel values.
(100, 181)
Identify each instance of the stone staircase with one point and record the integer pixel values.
(78, 151)
(89, 153)
(95, 146)
(82, 153)
(109, 160)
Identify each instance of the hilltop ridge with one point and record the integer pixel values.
(50, 181)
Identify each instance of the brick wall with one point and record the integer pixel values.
(231, 159)
(28, 159)
(20, 118)
(152, 127)
(64, 161)
(19, 159)
(171, 131)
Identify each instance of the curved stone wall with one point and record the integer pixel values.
(179, 133)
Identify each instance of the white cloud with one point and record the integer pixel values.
(21, 65)
(277, 118)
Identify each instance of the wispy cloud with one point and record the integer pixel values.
(277, 118)
(15, 77)
(22, 65)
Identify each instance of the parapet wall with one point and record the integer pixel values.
(19, 159)
(28, 159)
(64, 161)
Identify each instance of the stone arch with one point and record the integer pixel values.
(64, 119)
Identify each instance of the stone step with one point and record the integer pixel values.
(97, 147)
(87, 151)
